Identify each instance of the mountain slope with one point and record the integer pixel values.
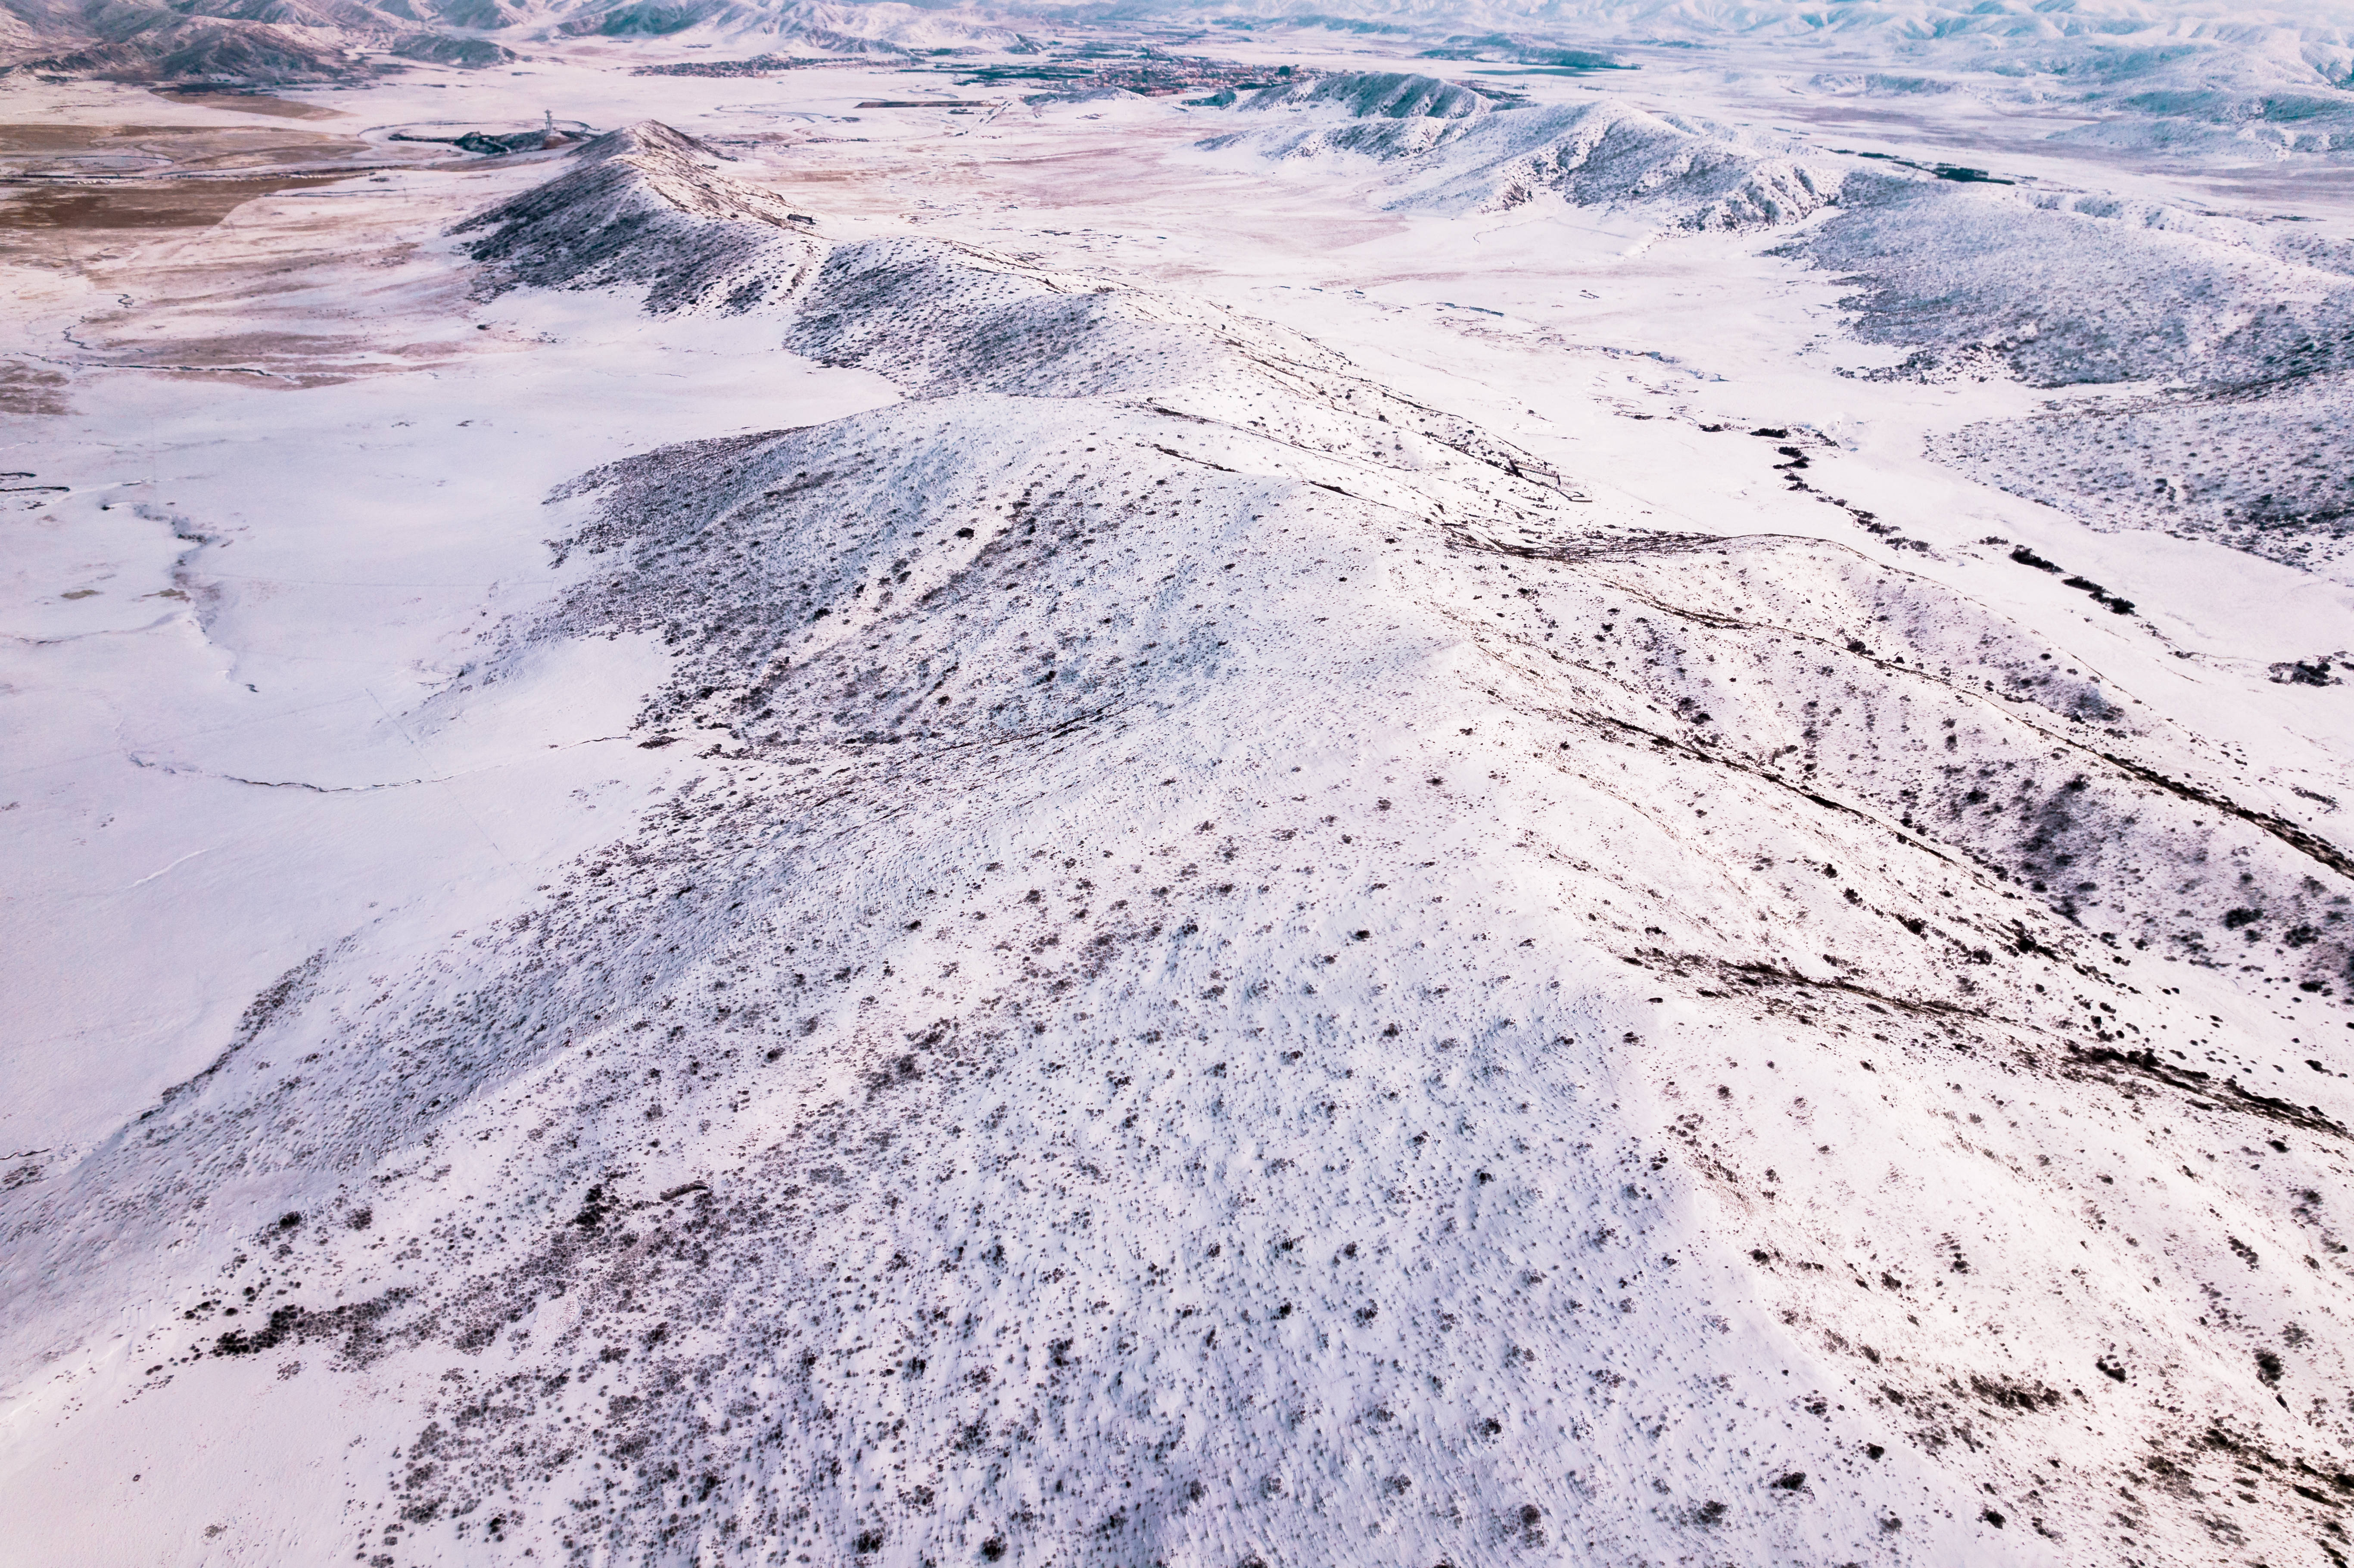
(201, 50)
(1248, 976)
(2246, 325)
(644, 205)
(1450, 156)
(286, 42)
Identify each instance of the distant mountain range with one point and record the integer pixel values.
(2206, 59)
(264, 42)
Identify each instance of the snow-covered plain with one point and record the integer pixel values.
(1582, 817)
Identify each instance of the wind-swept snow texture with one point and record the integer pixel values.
(1245, 982)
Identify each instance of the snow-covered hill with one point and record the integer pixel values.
(1460, 155)
(2246, 324)
(1242, 973)
(646, 205)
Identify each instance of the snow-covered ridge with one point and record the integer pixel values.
(1450, 153)
(2250, 324)
(646, 205)
(195, 48)
(1240, 975)
(1364, 95)
(306, 40)
(2248, 327)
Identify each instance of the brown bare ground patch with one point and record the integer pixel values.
(260, 359)
(32, 389)
(254, 103)
(84, 138)
(180, 143)
(153, 153)
(286, 360)
(278, 154)
(180, 203)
